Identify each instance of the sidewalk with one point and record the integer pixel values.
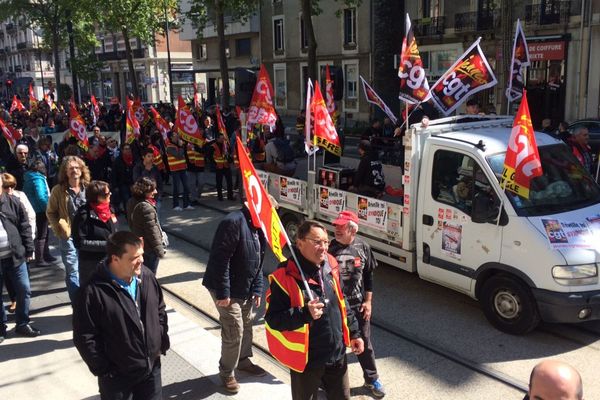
(49, 366)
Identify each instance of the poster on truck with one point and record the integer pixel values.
(372, 213)
(331, 201)
(264, 178)
(571, 234)
(289, 190)
(452, 239)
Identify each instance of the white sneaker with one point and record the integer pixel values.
(177, 208)
(189, 208)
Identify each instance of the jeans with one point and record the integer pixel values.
(124, 195)
(180, 177)
(220, 173)
(367, 357)
(148, 387)
(236, 334)
(151, 261)
(333, 378)
(19, 276)
(70, 259)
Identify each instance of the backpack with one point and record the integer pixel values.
(285, 153)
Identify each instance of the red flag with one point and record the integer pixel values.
(49, 101)
(186, 125)
(520, 60)
(161, 124)
(470, 74)
(32, 100)
(264, 215)
(329, 101)
(522, 161)
(140, 112)
(16, 105)
(132, 125)
(221, 124)
(261, 110)
(325, 135)
(10, 133)
(95, 109)
(77, 127)
(373, 98)
(196, 99)
(414, 87)
(238, 112)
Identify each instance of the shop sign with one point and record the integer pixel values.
(542, 51)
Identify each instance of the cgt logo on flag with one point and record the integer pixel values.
(414, 87)
(522, 162)
(470, 74)
(261, 110)
(520, 59)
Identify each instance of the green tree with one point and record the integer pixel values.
(141, 19)
(205, 12)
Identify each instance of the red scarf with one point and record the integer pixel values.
(128, 159)
(151, 201)
(102, 210)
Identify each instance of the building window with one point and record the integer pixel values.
(278, 34)
(280, 86)
(351, 89)
(202, 51)
(243, 47)
(350, 26)
(303, 35)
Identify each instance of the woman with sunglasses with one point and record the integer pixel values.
(94, 222)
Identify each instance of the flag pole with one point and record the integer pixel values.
(304, 282)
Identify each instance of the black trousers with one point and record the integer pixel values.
(219, 174)
(119, 388)
(333, 378)
(367, 357)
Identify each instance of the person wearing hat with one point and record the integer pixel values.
(356, 264)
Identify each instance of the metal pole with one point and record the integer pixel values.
(75, 82)
(40, 56)
(170, 73)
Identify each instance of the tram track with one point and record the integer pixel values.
(390, 329)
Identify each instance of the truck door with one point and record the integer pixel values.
(453, 246)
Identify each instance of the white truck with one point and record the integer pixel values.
(525, 260)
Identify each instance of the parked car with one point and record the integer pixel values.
(593, 126)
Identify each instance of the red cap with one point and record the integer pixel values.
(345, 217)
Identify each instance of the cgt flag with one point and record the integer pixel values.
(186, 125)
(324, 133)
(140, 112)
(95, 109)
(414, 87)
(261, 110)
(520, 60)
(470, 74)
(11, 134)
(132, 124)
(522, 161)
(329, 100)
(162, 125)
(33, 102)
(77, 127)
(16, 105)
(264, 215)
(373, 98)
(221, 124)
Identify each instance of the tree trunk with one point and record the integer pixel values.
(222, 56)
(129, 54)
(56, 52)
(312, 42)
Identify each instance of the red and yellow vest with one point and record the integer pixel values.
(157, 158)
(219, 157)
(291, 347)
(195, 158)
(175, 163)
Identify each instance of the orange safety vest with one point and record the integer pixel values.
(220, 159)
(157, 158)
(175, 163)
(195, 157)
(291, 347)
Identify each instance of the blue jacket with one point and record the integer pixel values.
(35, 187)
(234, 266)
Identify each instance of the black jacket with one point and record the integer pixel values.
(122, 174)
(112, 335)
(89, 237)
(14, 220)
(325, 341)
(140, 171)
(234, 267)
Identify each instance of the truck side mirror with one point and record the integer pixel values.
(484, 208)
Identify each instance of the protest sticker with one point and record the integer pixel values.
(331, 201)
(452, 239)
(570, 234)
(289, 190)
(372, 213)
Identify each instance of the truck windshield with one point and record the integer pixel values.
(564, 185)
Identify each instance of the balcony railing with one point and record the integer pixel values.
(475, 21)
(429, 26)
(21, 45)
(552, 12)
(10, 27)
(18, 68)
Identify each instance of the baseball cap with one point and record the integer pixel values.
(345, 217)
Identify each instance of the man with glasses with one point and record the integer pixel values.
(310, 336)
(357, 262)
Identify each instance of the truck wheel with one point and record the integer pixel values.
(509, 305)
(290, 224)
